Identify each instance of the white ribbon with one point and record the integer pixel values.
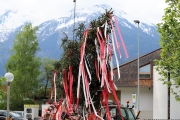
(115, 86)
(98, 58)
(54, 87)
(78, 86)
(105, 28)
(89, 74)
(95, 109)
(117, 62)
(84, 90)
(80, 66)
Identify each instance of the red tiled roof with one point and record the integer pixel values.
(133, 83)
(129, 73)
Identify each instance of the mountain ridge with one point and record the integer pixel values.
(51, 31)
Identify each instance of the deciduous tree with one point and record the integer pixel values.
(2, 93)
(47, 75)
(25, 66)
(169, 30)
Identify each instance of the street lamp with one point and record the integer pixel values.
(9, 78)
(138, 106)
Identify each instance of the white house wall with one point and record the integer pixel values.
(174, 106)
(160, 96)
(160, 100)
(146, 100)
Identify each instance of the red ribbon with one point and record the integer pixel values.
(71, 84)
(105, 94)
(117, 43)
(81, 65)
(66, 88)
(121, 38)
(115, 97)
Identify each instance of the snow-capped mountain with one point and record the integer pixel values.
(51, 31)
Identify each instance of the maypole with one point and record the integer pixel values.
(104, 42)
(95, 73)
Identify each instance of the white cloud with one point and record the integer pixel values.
(144, 10)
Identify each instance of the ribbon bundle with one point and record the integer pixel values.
(105, 47)
(106, 44)
(56, 109)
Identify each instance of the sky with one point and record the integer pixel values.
(150, 10)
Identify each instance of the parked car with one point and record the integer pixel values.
(20, 113)
(13, 115)
(2, 118)
(127, 112)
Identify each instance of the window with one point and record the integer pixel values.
(145, 72)
(1, 114)
(113, 112)
(14, 114)
(123, 113)
(29, 110)
(130, 114)
(118, 93)
(28, 116)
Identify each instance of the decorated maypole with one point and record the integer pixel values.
(87, 78)
(105, 44)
